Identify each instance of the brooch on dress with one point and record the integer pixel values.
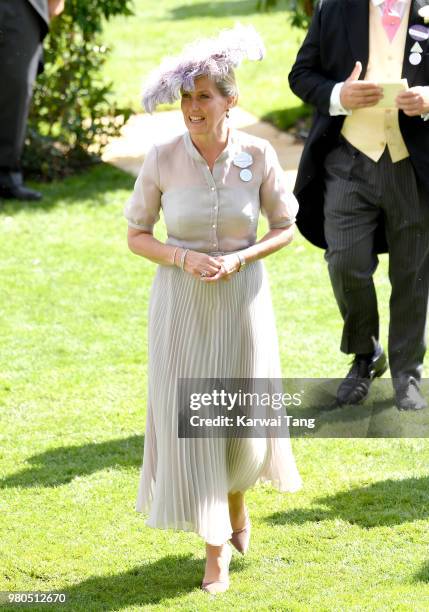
(243, 160)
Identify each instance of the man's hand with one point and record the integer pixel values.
(55, 7)
(359, 94)
(414, 102)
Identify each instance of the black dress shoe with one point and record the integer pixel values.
(355, 387)
(19, 192)
(12, 186)
(409, 396)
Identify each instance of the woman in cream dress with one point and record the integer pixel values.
(210, 315)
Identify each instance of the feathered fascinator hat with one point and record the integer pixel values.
(212, 57)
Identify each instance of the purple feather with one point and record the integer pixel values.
(212, 57)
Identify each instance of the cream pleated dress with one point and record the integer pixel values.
(208, 330)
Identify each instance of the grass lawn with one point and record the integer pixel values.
(162, 28)
(73, 393)
(72, 418)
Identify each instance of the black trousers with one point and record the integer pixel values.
(358, 191)
(20, 49)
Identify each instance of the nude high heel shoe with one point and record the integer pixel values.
(221, 585)
(240, 539)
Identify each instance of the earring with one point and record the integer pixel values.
(227, 113)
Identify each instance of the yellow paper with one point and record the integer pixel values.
(390, 91)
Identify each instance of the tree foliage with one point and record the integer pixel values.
(72, 114)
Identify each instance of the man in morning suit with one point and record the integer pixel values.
(363, 180)
(23, 25)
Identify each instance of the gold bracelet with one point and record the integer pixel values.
(182, 260)
(174, 256)
(239, 261)
(242, 261)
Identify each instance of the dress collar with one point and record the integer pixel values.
(227, 151)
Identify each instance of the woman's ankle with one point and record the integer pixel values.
(215, 561)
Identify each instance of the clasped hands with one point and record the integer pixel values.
(221, 267)
(363, 94)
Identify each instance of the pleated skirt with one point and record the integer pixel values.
(207, 330)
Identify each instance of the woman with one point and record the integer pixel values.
(211, 184)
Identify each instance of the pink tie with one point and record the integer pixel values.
(391, 19)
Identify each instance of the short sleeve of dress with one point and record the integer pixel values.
(142, 208)
(278, 204)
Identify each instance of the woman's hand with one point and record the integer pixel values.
(197, 263)
(229, 265)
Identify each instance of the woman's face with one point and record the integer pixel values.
(204, 108)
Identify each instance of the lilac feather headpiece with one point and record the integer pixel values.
(212, 57)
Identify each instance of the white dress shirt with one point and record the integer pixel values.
(336, 107)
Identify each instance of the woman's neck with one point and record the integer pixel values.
(210, 146)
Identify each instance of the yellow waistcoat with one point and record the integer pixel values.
(371, 129)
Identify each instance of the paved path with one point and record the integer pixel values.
(141, 131)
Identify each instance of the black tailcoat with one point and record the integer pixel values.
(41, 8)
(337, 38)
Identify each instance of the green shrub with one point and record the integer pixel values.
(73, 115)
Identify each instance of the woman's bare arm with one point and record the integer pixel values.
(272, 241)
(146, 245)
